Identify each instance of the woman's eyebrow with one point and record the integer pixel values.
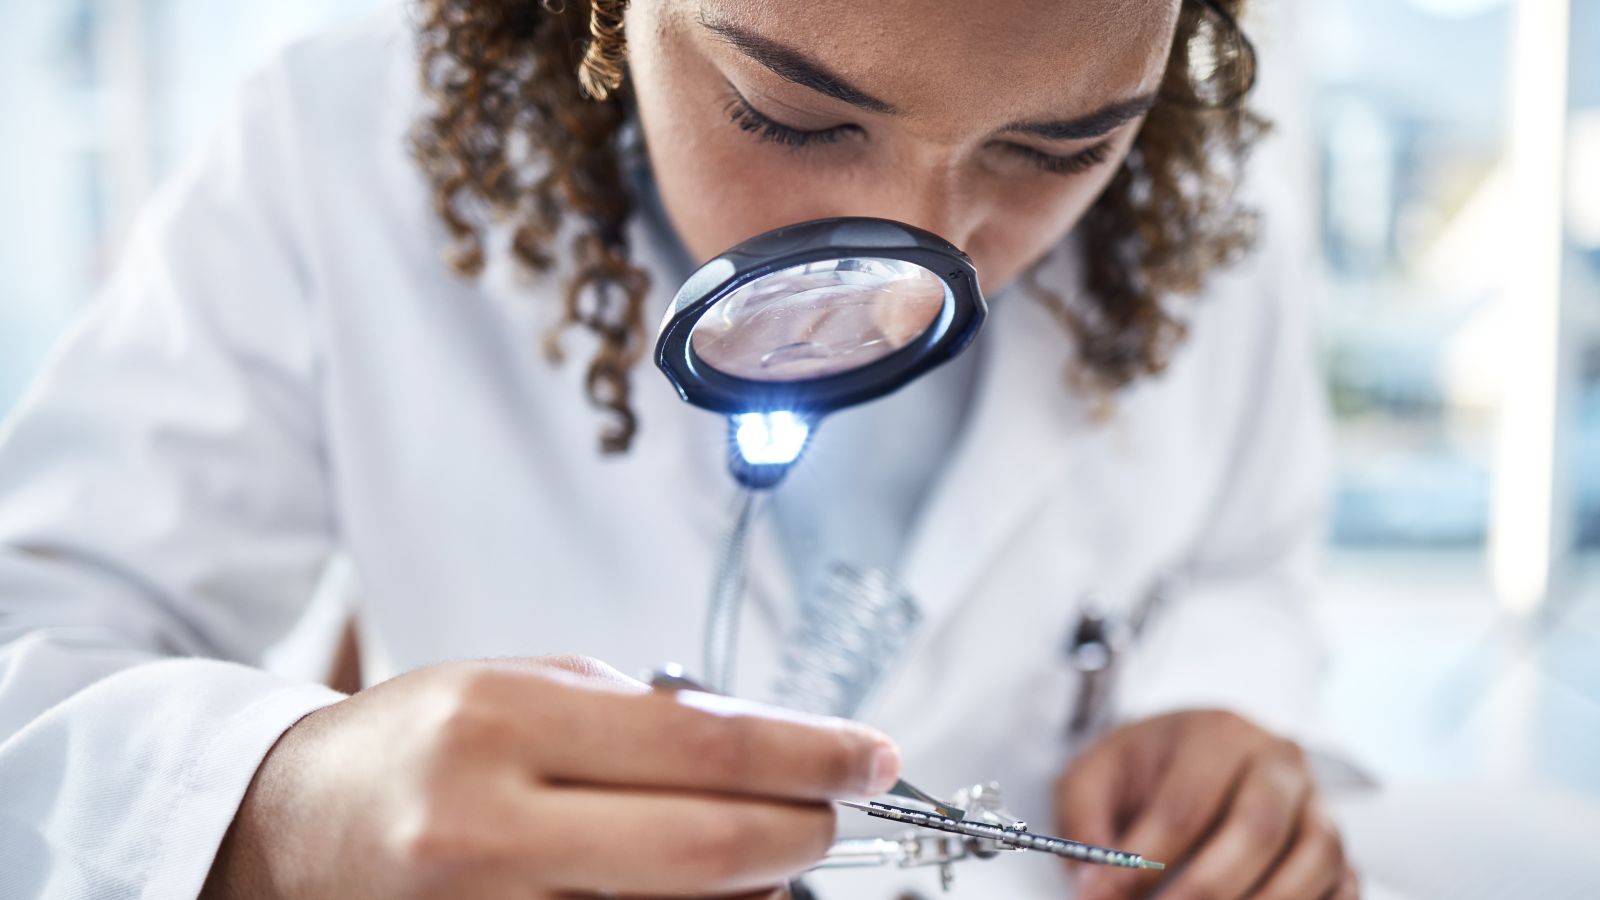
(1100, 122)
(792, 65)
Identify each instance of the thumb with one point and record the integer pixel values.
(1087, 802)
(1086, 798)
(578, 670)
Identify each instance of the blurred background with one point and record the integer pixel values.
(1451, 149)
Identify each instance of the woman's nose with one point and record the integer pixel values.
(927, 198)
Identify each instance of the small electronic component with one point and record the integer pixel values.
(983, 831)
(1008, 837)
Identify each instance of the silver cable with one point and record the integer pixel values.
(727, 594)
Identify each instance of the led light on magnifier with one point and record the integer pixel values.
(770, 439)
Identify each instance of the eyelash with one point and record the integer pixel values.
(1082, 161)
(763, 128)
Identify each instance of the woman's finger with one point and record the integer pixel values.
(694, 741)
(1087, 797)
(631, 844)
(1087, 801)
(780, 893)
(1185, 804)
(1314, 864)
(1349, 886)
(1253, 834)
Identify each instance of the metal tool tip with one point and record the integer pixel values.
(1151, 864)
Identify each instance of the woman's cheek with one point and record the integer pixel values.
(1024, 228)
(732, 193)
(715, 182)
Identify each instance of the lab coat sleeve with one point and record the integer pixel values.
(1236, 630)
(164, 517)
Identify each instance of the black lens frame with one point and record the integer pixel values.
(815, 241)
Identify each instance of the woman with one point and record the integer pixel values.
(284, 370)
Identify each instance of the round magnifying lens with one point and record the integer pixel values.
(791, 325)
(818, 319)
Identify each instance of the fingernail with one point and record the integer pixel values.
(885, 769)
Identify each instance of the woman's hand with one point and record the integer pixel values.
(543, 778)
(1230, 808)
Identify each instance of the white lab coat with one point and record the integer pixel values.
(283, 371)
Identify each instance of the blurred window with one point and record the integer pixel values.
(101, 98)
(1411, 116)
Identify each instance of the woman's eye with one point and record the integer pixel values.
(1082, 161)
(765, 128)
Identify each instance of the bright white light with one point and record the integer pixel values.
(1524, 539)
(1457, 9)
(1583, 178)
(768, 439)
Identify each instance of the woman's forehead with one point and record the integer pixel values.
(1057, 57)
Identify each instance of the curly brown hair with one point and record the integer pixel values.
(526, 130)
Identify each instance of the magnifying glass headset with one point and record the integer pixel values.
(791, 325)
